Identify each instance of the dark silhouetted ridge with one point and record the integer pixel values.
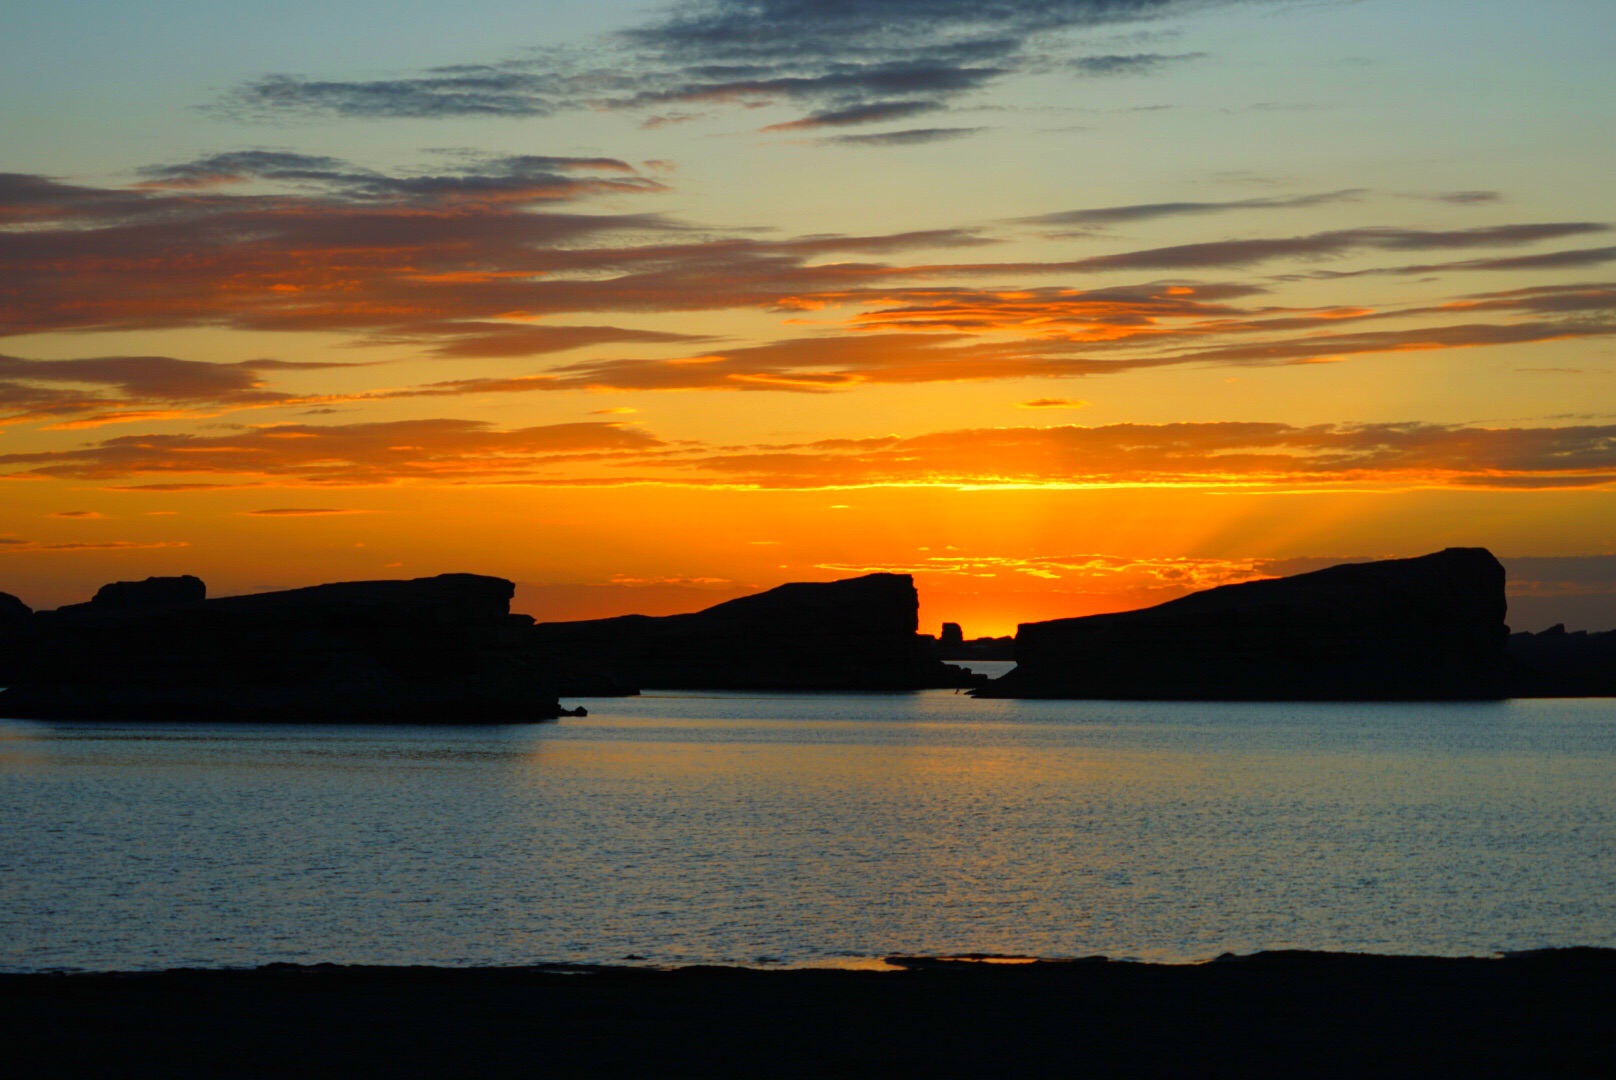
(854, 634)
(1425, 628)
(1555, 663)
(442, 650)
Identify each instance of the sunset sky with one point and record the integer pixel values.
(1063, 306)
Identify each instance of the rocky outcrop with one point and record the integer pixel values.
(13, 612)
(16, 620)
(1555, 663)
(1424, 628)
(856, 634)
(153, 592)
(953, 645)
(440, 650)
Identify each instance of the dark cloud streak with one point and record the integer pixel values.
(908, 137)
(844, 56)
(1120, 215)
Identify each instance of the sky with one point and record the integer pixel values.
(1064, 307)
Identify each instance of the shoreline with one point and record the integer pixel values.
(1272, 1013)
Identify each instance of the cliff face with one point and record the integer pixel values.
(1424, 628)
(442, 650)
(857, 634)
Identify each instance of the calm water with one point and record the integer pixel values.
(759, 828)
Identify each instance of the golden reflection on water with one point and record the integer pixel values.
(812, 831)
(23, 745)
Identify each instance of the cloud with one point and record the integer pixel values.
(370, 453)
(868, 113)
(485, 91)
(856, 54)
(910, 137)
(1130, 63)
(1467, 198)
(301, 511)
(1224, 254)
(476, 262)
(481, 178)
(470, 338)
(1052, 403)
(1562, 575)
(1217, 455)
(184, 487)
(1213, 454)
(77, 514)
(1574, 259)
(1117, 215)
(960, 335)
(830, 363)
(8, 547)
(421, 256)
(114, 389)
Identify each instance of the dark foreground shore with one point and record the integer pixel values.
(1272, 1014)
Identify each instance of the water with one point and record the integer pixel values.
(763, 829)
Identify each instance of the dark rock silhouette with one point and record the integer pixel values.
(1555, 663)
(443, 650)
(953, 645)
(982, 648)
(1424, 628)
(13, 612)
(16, 621)
(855, 634)
(153, 592)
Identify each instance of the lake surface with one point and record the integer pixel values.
(774, 828)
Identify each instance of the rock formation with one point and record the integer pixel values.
(856, 634)
(952, 644)
(442, 650)
(1555, 663)
(1424, 628)
(16, 619)
(153, 592)
(13, 612)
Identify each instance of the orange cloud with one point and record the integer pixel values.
(10, 546)
(1241, 455)
(442, 450)
(1051, 403)
(302, 511)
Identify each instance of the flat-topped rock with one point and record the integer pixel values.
(153, 592)
(442, 650)
(1425, 628)
(854, 634)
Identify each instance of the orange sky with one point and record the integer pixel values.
(1130, 308)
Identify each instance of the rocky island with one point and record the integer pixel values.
(1560, 663)
(1427, 628)
(443, 649)
(854, 634)
(953, 645)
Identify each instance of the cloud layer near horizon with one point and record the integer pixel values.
(591, 453)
